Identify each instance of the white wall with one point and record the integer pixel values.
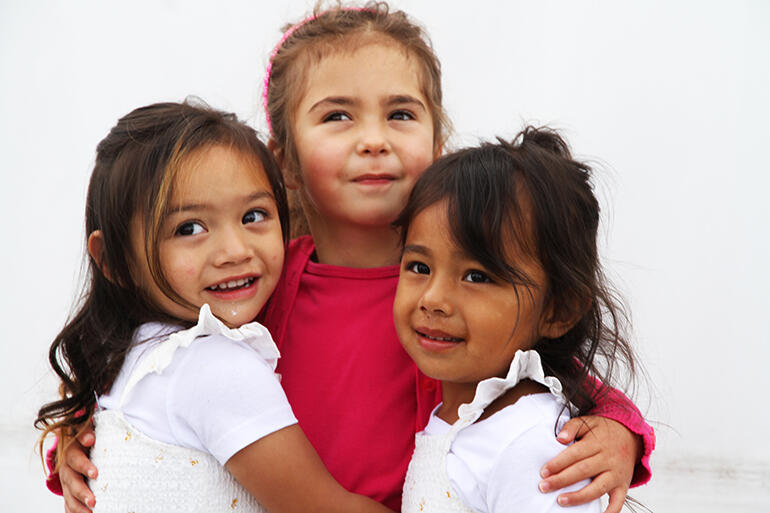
(670, 99)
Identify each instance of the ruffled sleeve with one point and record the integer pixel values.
(160, 357)
(525, 365)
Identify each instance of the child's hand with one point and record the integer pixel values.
(74, 468)
(604, 450)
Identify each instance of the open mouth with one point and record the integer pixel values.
(436, 338)
(227, 286)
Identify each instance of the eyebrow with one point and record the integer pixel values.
(346, 101)
(401, 99)
(416, 248)
(458, 254)
(334, 100)
(188, 207)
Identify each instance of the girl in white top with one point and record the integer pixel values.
(187, 224)
(501, 298)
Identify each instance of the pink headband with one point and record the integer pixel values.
(287, 35)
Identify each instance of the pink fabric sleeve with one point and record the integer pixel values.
(52, 481)
(616, 406)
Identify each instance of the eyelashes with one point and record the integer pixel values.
(397, 115)
(337, 116)
(476, 276)
(471, 276)
(255, 215)
(417, 268)
(191, 228)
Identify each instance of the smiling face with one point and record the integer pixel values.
(363, 134)
(221, 243)
(459, 323)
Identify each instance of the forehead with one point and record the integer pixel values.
(430, 226)
(218, 168)
(513, 231)
(375, 67)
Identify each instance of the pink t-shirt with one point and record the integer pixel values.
(351, 385)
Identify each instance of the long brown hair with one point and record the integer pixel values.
(133, 176)
(532, 191)
(341, 29)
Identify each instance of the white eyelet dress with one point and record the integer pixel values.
(427, 487)
(138, 474)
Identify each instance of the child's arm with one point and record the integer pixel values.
(612, 447)
(284, 473)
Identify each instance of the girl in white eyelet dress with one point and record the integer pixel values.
(501, 298)
(172, 376)
(187, 225)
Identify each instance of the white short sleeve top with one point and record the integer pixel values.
(208, 388)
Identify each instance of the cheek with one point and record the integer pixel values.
(419, 162)
(179, 272)
(321, 160)
(317, 178)
(404, 304)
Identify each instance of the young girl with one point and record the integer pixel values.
(353, 98)
(501, 297)
(186, 216)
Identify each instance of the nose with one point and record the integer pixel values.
(437, 298)
(232, 247)
(372, 139)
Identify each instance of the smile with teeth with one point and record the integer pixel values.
(232, 284)
(439, 339)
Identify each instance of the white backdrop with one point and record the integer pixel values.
(671, 100)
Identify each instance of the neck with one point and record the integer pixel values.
(456, 394)
(452, 396)
(355, 246)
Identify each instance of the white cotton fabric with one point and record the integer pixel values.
(492, 465)
(183, 404)
(208, 388)
(139, 474)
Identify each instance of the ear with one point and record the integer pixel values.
(554, 325)
(277, 151)
(290, 178)
(438, 150)
(96, 250)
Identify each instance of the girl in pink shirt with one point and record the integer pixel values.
(354, 104)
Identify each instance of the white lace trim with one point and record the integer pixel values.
(160, 357)
(525, 365)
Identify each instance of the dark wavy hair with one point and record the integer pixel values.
(133, 176)
(532, 191)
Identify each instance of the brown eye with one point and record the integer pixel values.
(337, 116)
(477, 277)
(254, 216)
(401, 115)
(418, 268)
(189, 228)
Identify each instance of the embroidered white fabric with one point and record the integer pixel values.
(140, 473)
(489, 457)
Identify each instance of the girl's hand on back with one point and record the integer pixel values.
(604, 451)
(73, 471)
